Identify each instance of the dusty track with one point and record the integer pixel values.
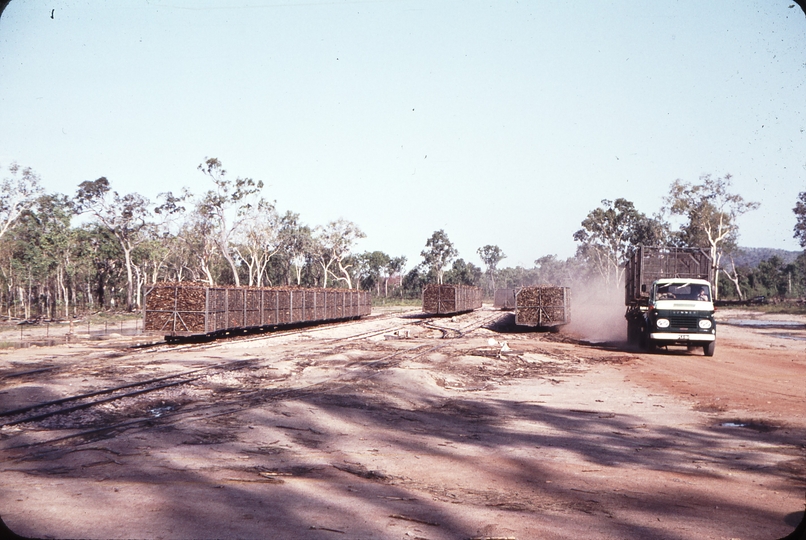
(408, 427)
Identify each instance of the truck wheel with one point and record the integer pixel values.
(633, 332)
(647, 344)
(709, 348)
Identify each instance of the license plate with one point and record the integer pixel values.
(685, 337)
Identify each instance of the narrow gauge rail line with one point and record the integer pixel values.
(152, 386)
(28, 372)
(153, 348)
(245, 336)
(461, 331)
(254, 397)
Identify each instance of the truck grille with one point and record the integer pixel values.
(680, 321)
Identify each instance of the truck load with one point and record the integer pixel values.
(668, 294)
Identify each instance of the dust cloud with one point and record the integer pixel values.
(597, 312)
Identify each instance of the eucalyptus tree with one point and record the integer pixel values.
(123, 216)
(28, 260)
(711, 212)
(258, 240)
(370, 269)
(414, 281)
(199, 245)
(551, 271)
(800, 216)
(52, 215)
(19, 190)
(163, 254)
(25, 265)
(18, 193)
(610, 232)
(394, 267)
(463, 273)
(296, 245)
(438, 253)
(334, 244)
(491, 256)
(226, 207)
(100, 254)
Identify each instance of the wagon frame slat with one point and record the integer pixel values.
(183, 309)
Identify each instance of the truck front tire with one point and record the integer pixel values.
(708, 348)
(647, 343)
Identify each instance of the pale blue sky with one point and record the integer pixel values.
(501, 122)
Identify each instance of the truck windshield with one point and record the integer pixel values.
(683, 291)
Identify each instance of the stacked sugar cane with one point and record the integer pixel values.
(542, 306)
(196, 308)
(446, 299)
(165, 304)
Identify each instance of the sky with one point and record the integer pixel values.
(500, 122)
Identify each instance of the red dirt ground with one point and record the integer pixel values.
(406, 427)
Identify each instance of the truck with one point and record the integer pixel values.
(669, 298)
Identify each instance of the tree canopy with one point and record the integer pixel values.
(610, 232)
(800, 216)
(438, 253)
(710, 212)
(231, 234)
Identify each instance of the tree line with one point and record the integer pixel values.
(700, 215)
(228, 235)
(231, 234)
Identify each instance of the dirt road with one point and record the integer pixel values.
(406, 427)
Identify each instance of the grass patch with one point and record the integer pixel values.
(380, 301)
(115, 316)
(786, 308)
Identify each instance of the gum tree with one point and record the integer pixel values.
(610, 232)
(711, 213)
(438, 253)
(226, 207)
(491, 256)
(800, 215)
(18, 193)
(335, 242)
(122, 216)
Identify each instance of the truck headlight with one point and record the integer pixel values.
(705, 323)
(663, 323)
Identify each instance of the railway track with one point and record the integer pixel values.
(224, 405)
(150, 349)
(41, 411)
(199, 411)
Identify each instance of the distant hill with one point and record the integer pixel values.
(750, 257)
